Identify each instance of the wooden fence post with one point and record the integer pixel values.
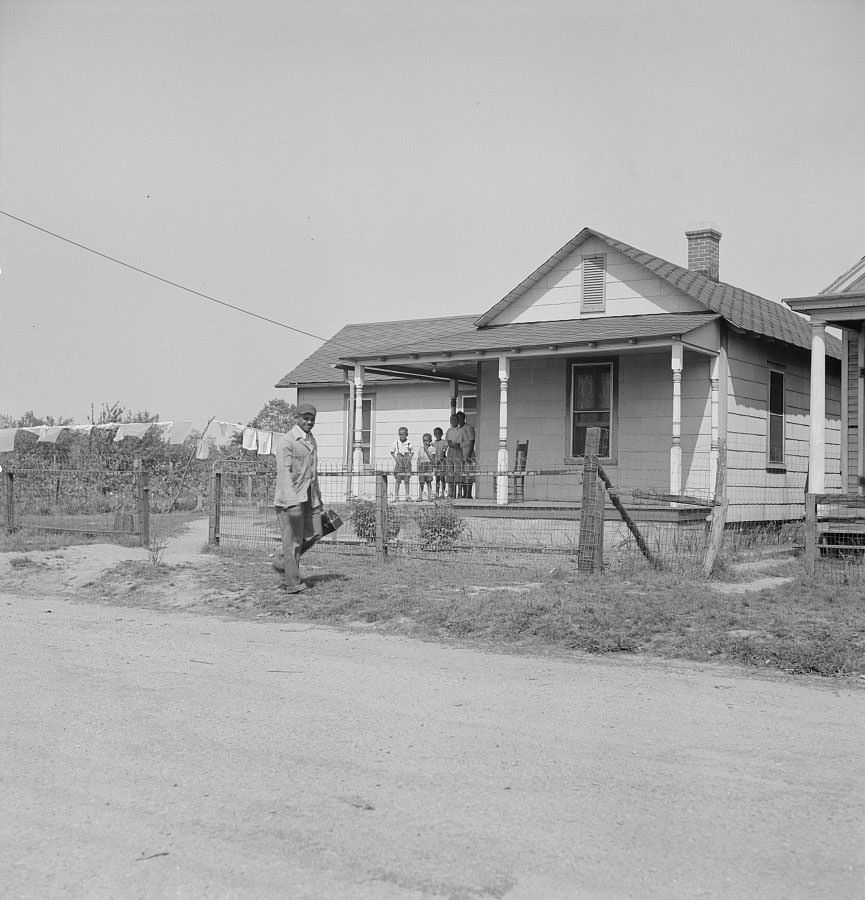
(381, 519)
(810, 532)
(10, 501)
(144, 506)
(719, 512)
(590, 552)
(216, 506)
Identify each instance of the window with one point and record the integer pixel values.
(594, 283)
(591, 405)
(366, 430)
(469, 403)
(776, 419)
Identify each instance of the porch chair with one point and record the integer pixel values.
(520, 459)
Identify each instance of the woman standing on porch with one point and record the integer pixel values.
(455, 461)
(467, 441)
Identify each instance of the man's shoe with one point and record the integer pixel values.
(294, 590)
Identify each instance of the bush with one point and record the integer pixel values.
(439, 526)
(363, 520)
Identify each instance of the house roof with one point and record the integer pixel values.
(365, 338)
(740, 308)
(852, 280)
(743, 310)
(840, 303)
(540, 334)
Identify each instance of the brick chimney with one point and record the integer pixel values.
(703, 252)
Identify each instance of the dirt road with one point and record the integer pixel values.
(149, 754)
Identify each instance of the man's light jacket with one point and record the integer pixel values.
(297, 470)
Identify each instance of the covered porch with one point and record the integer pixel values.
(841, 305)
(653, 383)
(835, 523)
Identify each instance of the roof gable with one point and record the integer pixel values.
(852, 281)
(742, 309)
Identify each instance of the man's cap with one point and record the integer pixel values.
(306, 409)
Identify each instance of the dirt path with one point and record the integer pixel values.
(148, 753)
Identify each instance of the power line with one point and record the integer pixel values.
(351, 350)
(175, 284)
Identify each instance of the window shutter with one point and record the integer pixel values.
(594, 283)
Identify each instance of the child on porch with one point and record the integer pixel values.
(440, 447)
(425, 464)
(401, 451)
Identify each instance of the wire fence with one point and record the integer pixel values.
(599, 525)
(834, 532)
(103, 502)
(646, 528)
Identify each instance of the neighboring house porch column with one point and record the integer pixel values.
(860, 413)
(714, 452)
(357, 451)
(676, 358)
(454, 386)
(502, 460)
(817, 448)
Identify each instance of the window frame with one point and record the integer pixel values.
(475, 413)
(611, 363)
(774, 465)
(349, 431)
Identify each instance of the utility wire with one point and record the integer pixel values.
(240, 309)
(181, 287)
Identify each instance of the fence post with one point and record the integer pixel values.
(719, 512)
(590, 552)
(10, 501)
(215, 506)
(381, 518)
(810, 532)
(144, 506)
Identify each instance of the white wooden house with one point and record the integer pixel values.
(841, 304)
(668, 361)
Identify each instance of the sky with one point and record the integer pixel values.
(326, 162)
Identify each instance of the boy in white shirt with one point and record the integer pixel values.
(425, 465)
(401, 451)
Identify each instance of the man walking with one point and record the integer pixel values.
(297, 498)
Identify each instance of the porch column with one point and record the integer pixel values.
(357, 452)
(714, 450)
(860, 413)
(677, 355)
(349, 438)
(502, 460)
(452, 383)
(817, 448)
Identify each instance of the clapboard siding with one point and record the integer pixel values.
(630, 290)
(753, 492)
(538, 411)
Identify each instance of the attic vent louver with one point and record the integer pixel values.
(594, 282)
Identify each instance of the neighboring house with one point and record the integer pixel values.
(841, 304)
(669, 362)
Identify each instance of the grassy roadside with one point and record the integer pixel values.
(541, 604)
(524, 602)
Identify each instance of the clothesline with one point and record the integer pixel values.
(215, 433)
